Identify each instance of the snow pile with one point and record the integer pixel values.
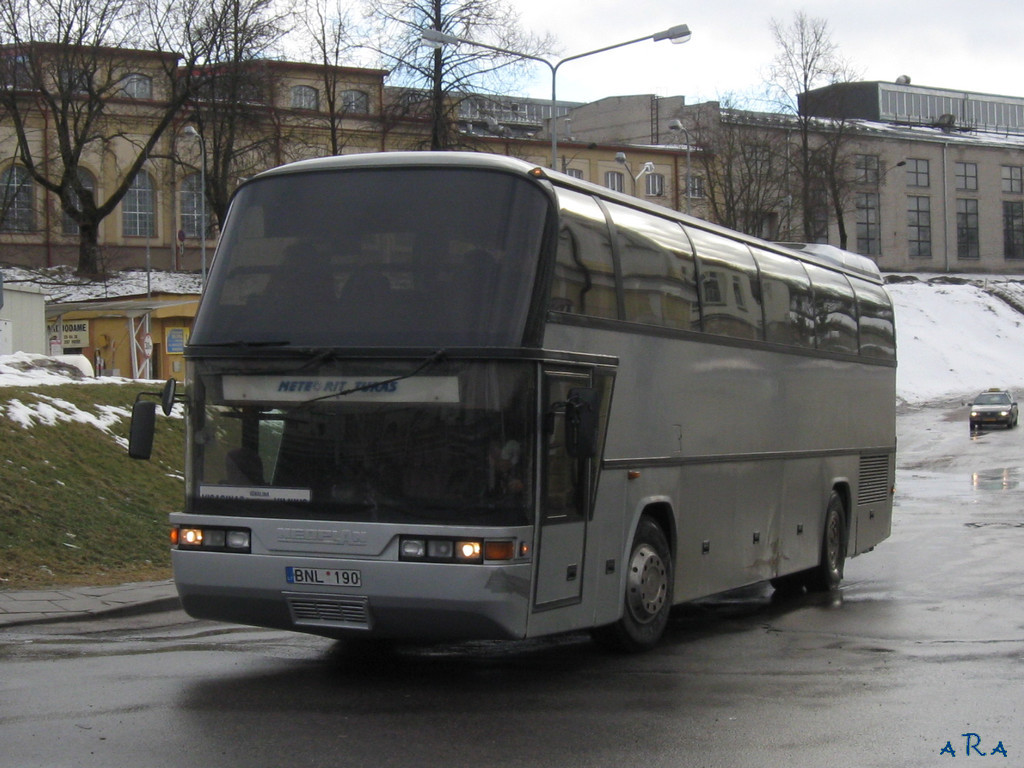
(27, 370)
(954, 340)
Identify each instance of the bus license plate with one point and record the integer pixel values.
(330, 577)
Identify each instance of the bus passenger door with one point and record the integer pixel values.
(565, 497)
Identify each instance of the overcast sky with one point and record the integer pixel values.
(976, 46)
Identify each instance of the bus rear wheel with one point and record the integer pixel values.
(829, 572)
(648, 596)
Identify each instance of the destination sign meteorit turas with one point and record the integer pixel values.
(421, 389)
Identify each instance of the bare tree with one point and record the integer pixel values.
(64, 62)
(807, 59)
(327, 26)
(451, 72)
(234, 101)
(743, 160)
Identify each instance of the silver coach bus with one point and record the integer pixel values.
(457, 396)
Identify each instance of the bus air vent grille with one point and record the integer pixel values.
(874, 479)
(329, 610)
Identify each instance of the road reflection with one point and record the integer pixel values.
(1005, 479)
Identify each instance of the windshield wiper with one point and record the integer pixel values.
(435, 358)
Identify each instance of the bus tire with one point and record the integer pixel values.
(648, 596)
(829, 572)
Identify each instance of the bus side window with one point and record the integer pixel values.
(730, 290)
(584, 281)
(835, 311)
(786, 297)
(658, 272)
(875, 320)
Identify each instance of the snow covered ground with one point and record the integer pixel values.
(954, 339)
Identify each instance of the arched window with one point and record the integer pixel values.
(17, 200)
(138, 209)
(70, 226)
(355, 101)
(193, 215)
(136, 86)
(305, 97)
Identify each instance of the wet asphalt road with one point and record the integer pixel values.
(918, 660)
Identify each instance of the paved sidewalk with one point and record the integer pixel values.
(79, 603)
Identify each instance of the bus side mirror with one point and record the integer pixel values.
(140, 437)
(167, 396)
(143, 428)
(581, 416)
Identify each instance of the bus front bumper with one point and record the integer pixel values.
(399, 600)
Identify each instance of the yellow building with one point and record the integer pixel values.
(139, 337)
(159, 222)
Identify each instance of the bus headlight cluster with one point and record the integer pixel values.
(212, 539)
(438, 550)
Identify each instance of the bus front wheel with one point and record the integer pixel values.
(648, 596)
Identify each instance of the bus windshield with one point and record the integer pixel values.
(410, 257)
(360, 443)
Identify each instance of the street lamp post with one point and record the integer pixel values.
(676, 126)
(678, 34)
(620, 158)
(190, 130)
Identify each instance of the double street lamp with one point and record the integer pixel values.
(678, 34)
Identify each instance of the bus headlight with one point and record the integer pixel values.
(212, 539)
(413, 549)
(441, 550)
(469, 552)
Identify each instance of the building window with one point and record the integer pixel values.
(868, 225)
(919, 227)
(17, 72)
(72, 80)
(917, 173)
(136, 86)
(305, 97)
(866, 169)
(69, 226)
(355, 101)
(1013, 179)
(138, 209)
(818, 215)
(967, 229)
(967, 176)
(193, 215)
(818, 211)
(17, 200)
(575, 173)
(758, 159)
(696, 186)
(1013, 229)
(615, 181)
(655, 184)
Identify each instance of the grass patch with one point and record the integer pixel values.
(74, 509)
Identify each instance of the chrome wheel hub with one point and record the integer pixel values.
(647, 585)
